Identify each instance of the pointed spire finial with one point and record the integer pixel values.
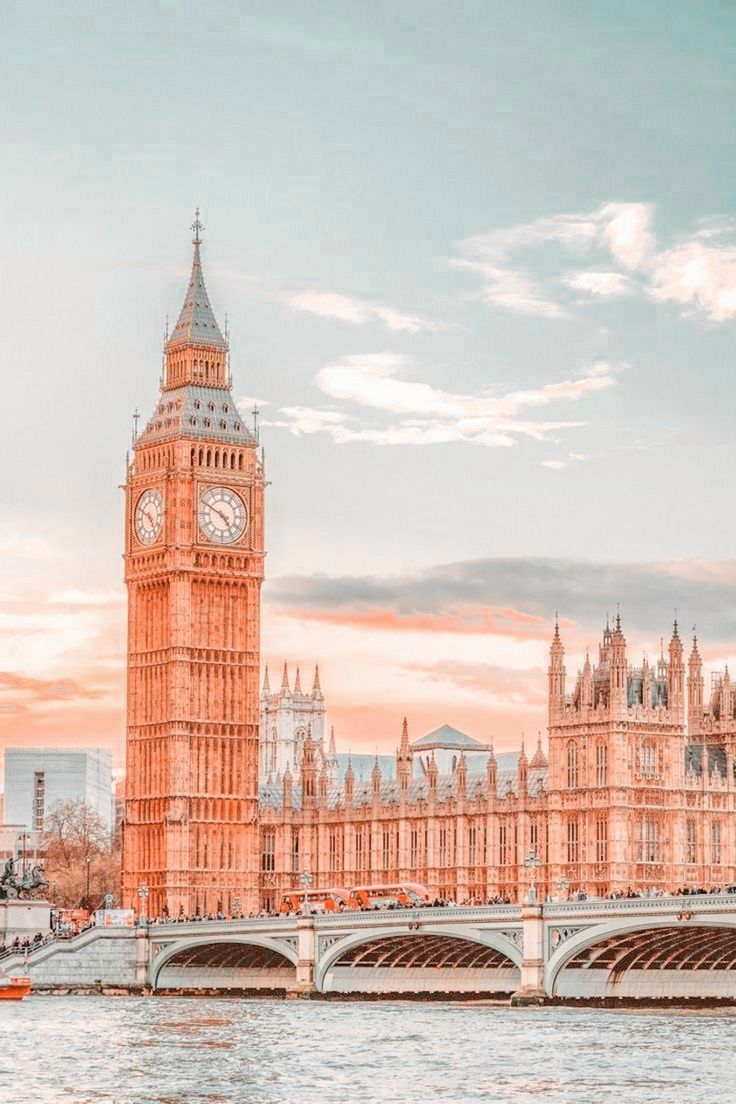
(285, 679)
(266, 686)
(316, 688)
(298, 683)
(136, 416)
(197, 228)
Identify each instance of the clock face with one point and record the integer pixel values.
(223, 516)
(149, 516)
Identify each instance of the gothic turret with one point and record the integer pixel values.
(676, 673)
(376, 779)
(266, 685)
(288, 791)
(461, 774)
(522, 769)
(349, 782)
(618, 673)
(285, 688)
(586, 684)
(539, 759)
(298, 682)
(316, 688)
(556, 674)
(695, 683)
(404, 757)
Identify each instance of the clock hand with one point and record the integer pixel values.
(151, 519)
(220, 514)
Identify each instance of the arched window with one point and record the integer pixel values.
(648, 759)
(572, 766)
(601, 765)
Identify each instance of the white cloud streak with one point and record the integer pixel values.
(357, 312)
(699, 273)
(377, 384)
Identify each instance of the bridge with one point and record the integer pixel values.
(635, 949)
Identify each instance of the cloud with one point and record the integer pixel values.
(505, 685)
(462, 620)
(622, 230)
(43, 690)
(497, 595)
(554, 465)
(700, 276)
(607, 285)
(698, 273)
(357, 312)
(381, 384)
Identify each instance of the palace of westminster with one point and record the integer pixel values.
(233, 789)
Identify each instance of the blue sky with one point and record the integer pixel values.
(479, 265)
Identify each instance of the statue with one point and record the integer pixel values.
(13, 885)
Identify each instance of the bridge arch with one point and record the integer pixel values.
(662, 946)
(224, 962)
(435, 958)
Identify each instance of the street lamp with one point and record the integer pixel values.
(562, 885)
(305, 880)
(143, 894)
(532, 862)
(22, 842)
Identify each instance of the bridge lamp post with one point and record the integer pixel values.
(143, 894)
(532, 862)
(305, 880)
(562, 885)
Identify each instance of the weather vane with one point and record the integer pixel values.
(197, 227)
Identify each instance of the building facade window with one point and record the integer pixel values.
(472, 844)
(268, 852)
(386, 849)
(601, 841)
(715, 843)
(503, 845)
(414, 848)
(534, 836)
(572, 767)
(648, 841)
(295, 853)
(601, 765)
(648, 759)
(443, 858)
(573, 842)
(691, 843)
(39, 800)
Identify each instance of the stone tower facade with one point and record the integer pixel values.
(194, 563)
(288, 716)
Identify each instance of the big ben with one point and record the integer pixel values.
(194, 561)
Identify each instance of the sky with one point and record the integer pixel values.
(479, 268)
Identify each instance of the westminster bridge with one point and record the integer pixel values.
(641, 948)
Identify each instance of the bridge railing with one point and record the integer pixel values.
(348, 918)
(599, 906)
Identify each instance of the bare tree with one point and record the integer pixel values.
(81, 858)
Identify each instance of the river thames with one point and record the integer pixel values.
(222, 1051)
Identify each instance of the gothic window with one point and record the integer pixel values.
(648, 759)
(359, 849)
(210, 406)
(414, 849)
(572, 766)
(691, 855)
(197, 404)
(335, 851)
(226, 408)
(601, 841)
(503, 845)
(534, 836)
(715, 843)
(648, 842)
(601, 765)
(295, 852)
(573, 842)
(443, 846)
(386, 849)
(472, 844)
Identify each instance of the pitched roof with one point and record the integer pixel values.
(197, 324)
(448, 737)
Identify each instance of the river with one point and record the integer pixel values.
(223, 1051)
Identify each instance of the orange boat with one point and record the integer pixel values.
(14, 988)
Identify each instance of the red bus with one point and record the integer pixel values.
(384, 896)
(318, 900)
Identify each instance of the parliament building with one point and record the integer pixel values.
(234, 789)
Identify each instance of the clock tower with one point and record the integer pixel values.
(194, 557)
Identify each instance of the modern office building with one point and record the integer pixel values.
(37, 778)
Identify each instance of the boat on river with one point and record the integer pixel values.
(14, 987)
